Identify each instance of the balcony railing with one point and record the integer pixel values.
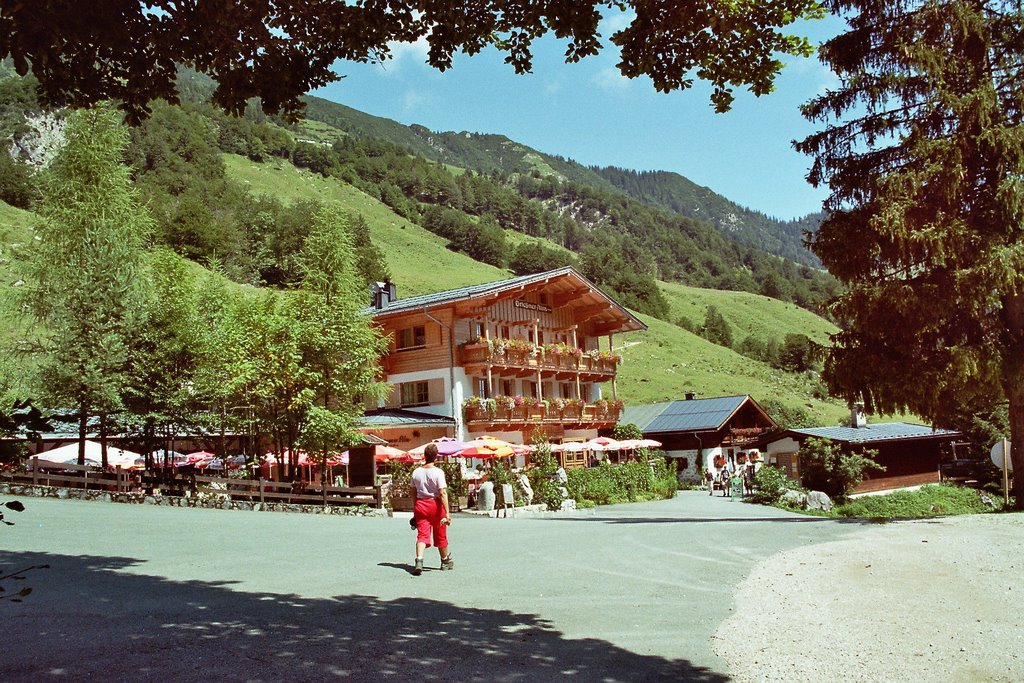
(552, 358)
(507, 411)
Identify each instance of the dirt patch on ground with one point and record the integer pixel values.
(923, 600)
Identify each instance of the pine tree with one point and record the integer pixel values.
(83, 271)
(923, 150)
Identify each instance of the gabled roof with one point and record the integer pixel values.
(398, 417)
(494, 290)
(888, 431)
(694, 415)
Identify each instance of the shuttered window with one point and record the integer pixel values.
(411, 338)
(421, 393)
(415, 394)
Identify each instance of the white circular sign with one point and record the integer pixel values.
(997, 455)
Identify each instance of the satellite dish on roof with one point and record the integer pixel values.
(997, 454)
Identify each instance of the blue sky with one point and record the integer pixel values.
(590, 113)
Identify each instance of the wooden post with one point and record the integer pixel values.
(35, 469)
(540, 377)
(261, 490)
(575, 345)
(490, 375)
(1006, 474)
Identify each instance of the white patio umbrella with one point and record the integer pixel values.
(68, 455)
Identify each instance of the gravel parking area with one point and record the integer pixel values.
(923, 600)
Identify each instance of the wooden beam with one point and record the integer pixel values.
(584, 313)
(562, 298)
(605, 328)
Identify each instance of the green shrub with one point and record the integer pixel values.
(541, 476)
(826, 467)
(770, 483)
(928, 501)
(453, 476)
(646, 479)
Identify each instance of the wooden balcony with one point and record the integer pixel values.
(587, 416)
(523, 363)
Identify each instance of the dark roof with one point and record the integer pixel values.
(398, 417)
(888, 431)
(421, 301)
(642, 415)
(695, 415)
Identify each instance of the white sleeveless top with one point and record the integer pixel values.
(428, 482)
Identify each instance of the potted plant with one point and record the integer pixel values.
(400, 494)
(573, 408)
(520, 349)
(505, 403)
(557, 405)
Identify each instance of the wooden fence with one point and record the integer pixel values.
(178, 483)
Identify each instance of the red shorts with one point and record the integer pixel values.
(429, 513)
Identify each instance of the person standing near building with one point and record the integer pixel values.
(431, 512)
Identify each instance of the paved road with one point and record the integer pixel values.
(620, 593)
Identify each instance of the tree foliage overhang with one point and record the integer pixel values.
(923, 151)
(277, 50)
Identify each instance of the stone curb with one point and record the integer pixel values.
(205, 501)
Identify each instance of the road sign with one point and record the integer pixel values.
(997, 454)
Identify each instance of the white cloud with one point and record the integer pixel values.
(612, 80)
(617, 21)
(412, 101)
(810, 70)
(405, 53)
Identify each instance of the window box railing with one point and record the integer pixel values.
(519, 409)
(555, 357)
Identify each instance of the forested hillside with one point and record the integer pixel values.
(488, 153)
(236, 195)
(673, 192)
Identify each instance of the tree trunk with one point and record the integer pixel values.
(1013, 386)
(83, 420)
(103, 440)
(1017, 443)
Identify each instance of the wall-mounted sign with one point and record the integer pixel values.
(530, 306)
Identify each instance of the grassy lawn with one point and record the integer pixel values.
(747, 314)
(665, 362)
(14, 231)
(928, 501)
(932, 500)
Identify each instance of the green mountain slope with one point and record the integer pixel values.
(487, 153)
(418, 260)
(747, 314)
(673, 192)
(660, 364)
(665, 362)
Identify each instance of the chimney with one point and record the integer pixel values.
(857, 416)
(690, 395)
(382, 294)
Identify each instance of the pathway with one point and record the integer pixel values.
(620, 593)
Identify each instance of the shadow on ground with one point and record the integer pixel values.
(810, 519)
(86, 619)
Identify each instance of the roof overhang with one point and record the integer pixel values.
(566, 287)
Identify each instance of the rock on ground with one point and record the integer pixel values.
(924, 600)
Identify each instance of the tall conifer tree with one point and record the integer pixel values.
(82, 287)
(923, 151)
